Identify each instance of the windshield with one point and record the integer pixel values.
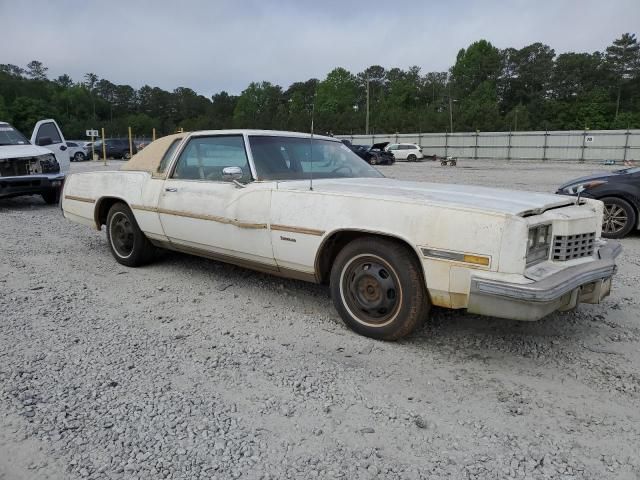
(290, 158)
(11, 136)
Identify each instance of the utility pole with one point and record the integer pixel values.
(366, 126)
(450, 113)
(450, 109)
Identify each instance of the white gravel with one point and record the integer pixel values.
(192, 369)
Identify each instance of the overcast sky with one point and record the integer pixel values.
(211, 46)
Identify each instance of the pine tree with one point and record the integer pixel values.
(624, 58)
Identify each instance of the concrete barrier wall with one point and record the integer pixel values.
(570, 145)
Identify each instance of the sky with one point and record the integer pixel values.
(211, 46)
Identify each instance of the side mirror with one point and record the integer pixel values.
(44, 141)
(231, 174)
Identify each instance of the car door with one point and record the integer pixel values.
(404, 151)
(397, 152)
(202, 213)
(47, 134)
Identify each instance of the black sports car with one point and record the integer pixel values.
(374, 155)
(620, 192)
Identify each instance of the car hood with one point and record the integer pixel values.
(18, 151)
(587, 178)
(502, 201)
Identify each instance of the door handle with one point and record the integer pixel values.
(170, 189)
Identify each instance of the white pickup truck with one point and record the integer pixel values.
(32, 167)
(307, 207)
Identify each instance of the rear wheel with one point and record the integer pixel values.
(128, 244)
(373, 160)
(619, 217)
(412, 158)
(126, 155)
(378, 288)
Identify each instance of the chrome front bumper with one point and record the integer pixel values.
(585, 283)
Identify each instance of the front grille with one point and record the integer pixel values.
(570, 247)
(18, 167)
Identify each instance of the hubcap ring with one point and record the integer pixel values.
(370, 290)
(122, 235)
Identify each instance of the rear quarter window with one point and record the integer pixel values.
(167, 155)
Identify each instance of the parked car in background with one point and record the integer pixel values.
(77, 151)
(33, 167)
(307, 207)
(115, 148)
(620, 193)
(373, 155)
(140, 144)
(405, 151)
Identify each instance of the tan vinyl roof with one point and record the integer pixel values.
(148, 159)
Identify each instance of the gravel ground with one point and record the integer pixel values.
(192, 369)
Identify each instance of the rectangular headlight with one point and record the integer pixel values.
(538, 244)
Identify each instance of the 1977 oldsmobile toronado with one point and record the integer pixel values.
(306, 207)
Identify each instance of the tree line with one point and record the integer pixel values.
(487, 89)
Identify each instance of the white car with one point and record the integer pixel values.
(308, 208)
(77, 150)
(405, 151)
(33, 167)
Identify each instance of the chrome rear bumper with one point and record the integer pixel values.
(585, 283)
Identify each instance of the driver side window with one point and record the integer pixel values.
(204, 158)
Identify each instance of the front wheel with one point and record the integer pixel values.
(79, 157)
(378, 289)
(126, 155)
(128, 244)
(51, 197)
(619, 217)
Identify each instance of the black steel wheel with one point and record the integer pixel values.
(619, 217)
(370, 288)
(378, 288)
(127, 242)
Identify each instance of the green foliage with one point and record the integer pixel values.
(259, 106)
(486, 89)
(4, 112)
(477, 64)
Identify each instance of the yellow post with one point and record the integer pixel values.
(104, 148)
(130, 144)
(154, 134)
(93, 148)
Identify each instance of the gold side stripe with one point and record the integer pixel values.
(306, 231)
(198, 216)
(142, 207)
(80, 199)
(229, 221)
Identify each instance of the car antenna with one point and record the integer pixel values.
(313, 109)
